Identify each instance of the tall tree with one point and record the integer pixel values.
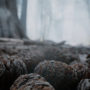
(23, 14)
(2, 3)
(10, 25)
(46, 17)
(11, 5)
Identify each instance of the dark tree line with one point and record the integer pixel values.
(10, 25)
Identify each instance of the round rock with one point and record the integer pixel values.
(31, 82)
(2, 68)
(84, 84)
(59, 74)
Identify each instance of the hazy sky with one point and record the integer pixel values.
(59, 20)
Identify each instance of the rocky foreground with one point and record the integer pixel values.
(34, 65)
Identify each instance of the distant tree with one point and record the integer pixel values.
(88, 6)
(46, 17)
(11, 5)
(2, 3)
(10, 25)
(24, 13)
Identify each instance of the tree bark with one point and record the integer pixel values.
(11, 5)
(23, 15)
(10, 26)
(2, 3)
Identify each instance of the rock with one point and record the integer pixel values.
(60, 75)
(88, 62)
(74, 62)
(84, 84)
(13, 69)
(34, 54)
(31, 82)
(2, 68)
(80, 71)
(29, 56)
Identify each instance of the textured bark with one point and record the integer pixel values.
(11, 5)
(23, 14)
(2, 3)
(10, 25)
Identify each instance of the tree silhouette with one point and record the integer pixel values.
(10, 26)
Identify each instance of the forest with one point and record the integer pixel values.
(44, 45)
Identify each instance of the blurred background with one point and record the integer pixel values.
(56, 20)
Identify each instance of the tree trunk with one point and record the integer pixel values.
(23, 15)
(2, 3)
(10, 25)
(11, 5)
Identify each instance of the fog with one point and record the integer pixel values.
(59, 20)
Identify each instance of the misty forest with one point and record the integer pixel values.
(44, 45)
